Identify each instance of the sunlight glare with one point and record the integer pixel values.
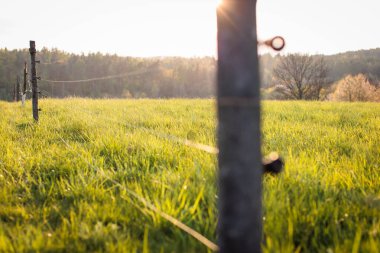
(218, 3)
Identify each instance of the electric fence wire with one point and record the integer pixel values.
(51, 63)
(133, 73)
(43, 93)
(150, 69)
(202, 239)
(209, 149)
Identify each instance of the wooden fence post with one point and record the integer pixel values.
(18, 89)
(240, 167)
(14, 92)
(32, 51)
(23, 97)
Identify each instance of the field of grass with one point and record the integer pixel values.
(65, 183)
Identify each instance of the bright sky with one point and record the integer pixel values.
(183, 27)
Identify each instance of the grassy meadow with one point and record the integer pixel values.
(58, 191)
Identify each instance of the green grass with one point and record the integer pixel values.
(60, 197)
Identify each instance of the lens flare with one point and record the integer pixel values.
(218, 3)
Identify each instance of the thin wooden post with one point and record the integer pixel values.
(240, 167)
(18, 88)
(23, 97)
(14, 92)
(25, 78)
(32, 51)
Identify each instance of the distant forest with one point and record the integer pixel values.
(166, 77)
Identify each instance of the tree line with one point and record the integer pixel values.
(164, 77)
(174, 76)
(305, 77)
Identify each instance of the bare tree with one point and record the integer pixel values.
(299, 76)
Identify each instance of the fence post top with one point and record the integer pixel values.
(32, 48)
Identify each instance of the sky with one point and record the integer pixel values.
(183, 27)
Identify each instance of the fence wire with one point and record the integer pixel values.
(206, 148)
(133, 73)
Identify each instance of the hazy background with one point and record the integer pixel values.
(91, 38)
(183, 27)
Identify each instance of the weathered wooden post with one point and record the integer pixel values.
(18, 88)
(240, 168)
(23, 97)
(32, 51)
(14, 92)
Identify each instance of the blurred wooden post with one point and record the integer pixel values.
(14, 92)
(18, 89)
(32, 51)
(23, 97)
(240, 167)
